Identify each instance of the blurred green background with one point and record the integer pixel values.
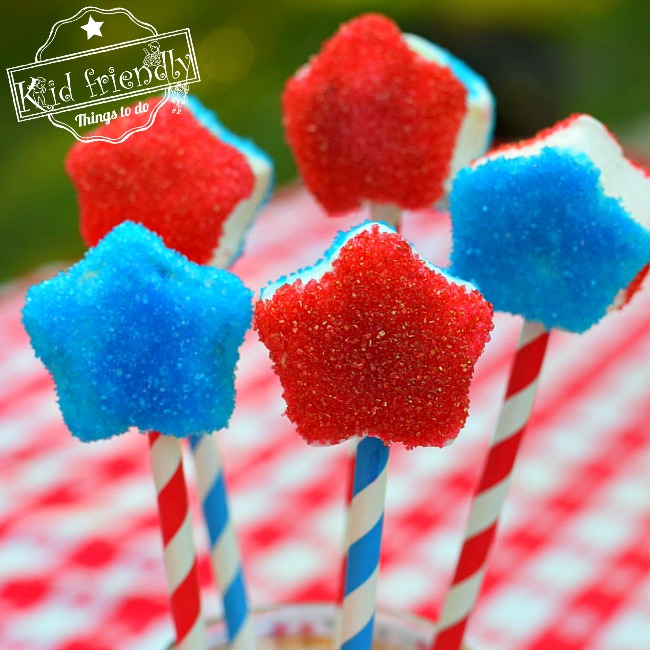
(544, 59)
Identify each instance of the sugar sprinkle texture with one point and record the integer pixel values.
(376, 117)
(135, 335)
(374, 341)
(240, 220)
(186, 178)
(554, 229)
(477, 128)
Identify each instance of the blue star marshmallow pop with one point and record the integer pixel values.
(136, 335)
(557, 230)
(201, 199)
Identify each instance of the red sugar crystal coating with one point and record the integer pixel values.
(381, 345)
(175, 178)
(638, 281)
(371, 120)
(542, 135)
(635, 285)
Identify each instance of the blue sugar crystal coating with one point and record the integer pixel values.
(539, 238)
(473, 82)
(475, 86)
(137, 335)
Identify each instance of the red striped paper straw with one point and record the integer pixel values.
(492, 487)
(179, 551)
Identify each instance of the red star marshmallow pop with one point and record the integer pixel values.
(199, 186)
(373, 342)
(556, 229)
(382, 117)
(186, 178)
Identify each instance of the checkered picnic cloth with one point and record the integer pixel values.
(81, 555)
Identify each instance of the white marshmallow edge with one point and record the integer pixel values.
(235, 225)
(324, 266)
(476, 129)
(585, 135)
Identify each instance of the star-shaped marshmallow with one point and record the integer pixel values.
(135, 335)
(555, 228)
(384, 117)
(185, 177)
(374, 341)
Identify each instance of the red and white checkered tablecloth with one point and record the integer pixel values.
(81, 556)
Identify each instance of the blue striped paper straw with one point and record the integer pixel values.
(225, 556)
(224, 550)
(365, 521)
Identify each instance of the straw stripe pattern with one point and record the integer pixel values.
(492, 487)
(179, 551)
(363, 544)
(224, 550)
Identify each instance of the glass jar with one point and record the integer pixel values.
(312, 626)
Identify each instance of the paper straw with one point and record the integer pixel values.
(224, 550)
(392, 215)
(493, 487)
(366, 517)
(386, 212)
(179, 552)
